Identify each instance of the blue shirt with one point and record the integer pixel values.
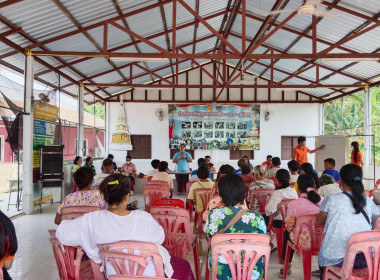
(183, 165)
(195, 172)
(238, 172)
(341, 223)
(332, 172)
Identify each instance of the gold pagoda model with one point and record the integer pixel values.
(121, 138)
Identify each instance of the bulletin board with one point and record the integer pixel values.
(336, 148)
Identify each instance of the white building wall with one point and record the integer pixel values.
(285, 120)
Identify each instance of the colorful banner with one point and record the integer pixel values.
(215, 126)
(47, 112)
(44, 132)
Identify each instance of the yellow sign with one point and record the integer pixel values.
(45, 199)
(47, 113)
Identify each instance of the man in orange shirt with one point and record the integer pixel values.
(268, 163)
(300, 152)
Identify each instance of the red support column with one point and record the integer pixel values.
(105, 37)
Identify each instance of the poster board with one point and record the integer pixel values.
(214, 126)
(336, 148)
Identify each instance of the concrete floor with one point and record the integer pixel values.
(34, 259)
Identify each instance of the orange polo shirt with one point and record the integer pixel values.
(300, 154)
(359, 158)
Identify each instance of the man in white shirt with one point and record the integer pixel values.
(154, 164)
(328, 186)
(293, 167)
(163, 175)
(107, 169)
(276, 166)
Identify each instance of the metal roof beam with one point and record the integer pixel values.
(164, 22)
(8, 3)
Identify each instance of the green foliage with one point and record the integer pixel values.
(97, 110)
(346, 116)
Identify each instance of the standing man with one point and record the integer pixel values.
(182, 159)
(89, 164)
(300, 152)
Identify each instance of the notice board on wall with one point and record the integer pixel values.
(336, 148)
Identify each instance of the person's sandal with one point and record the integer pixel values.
(316, 273)
(281, 273)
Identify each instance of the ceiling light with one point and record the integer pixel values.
(147, 59)
(357, 59)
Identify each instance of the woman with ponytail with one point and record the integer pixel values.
(307, 204)
(307, 168)
(344, 214)
(117, 223)
(356, 155)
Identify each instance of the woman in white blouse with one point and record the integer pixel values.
(117, 223)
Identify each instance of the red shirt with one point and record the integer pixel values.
(267, 165)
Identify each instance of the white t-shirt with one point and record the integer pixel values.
(152, 172)
(102, 227)
(293, 178)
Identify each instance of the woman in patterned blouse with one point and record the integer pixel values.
(86, 196)
(232, 191)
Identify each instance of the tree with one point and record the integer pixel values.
(97, 110)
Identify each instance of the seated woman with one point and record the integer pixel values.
(344, 214)
(307, 204)
(283, 191)
(261, 182)
(8, 245)
(86, 196)
(232, 191)
(117, 223)
(203, 183)
(216, 201)
(163, 175)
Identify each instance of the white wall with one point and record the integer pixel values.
(285, 120)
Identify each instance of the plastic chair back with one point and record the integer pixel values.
(169, 202)
(72, 212)
(202, 197)
(153, 191)
(367, 242)
(377, 224)
(131, 257)
(175, 222)
(315, 231)
(377, 184)
(232, 246)
(262, 196)
(282, 207)
(149, 178)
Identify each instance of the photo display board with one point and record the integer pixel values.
(214, 126)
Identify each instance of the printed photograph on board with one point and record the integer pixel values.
(214, 126)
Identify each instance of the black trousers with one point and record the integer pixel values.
(286, 239)
(181, 182)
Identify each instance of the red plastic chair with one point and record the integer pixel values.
(202, 197)
(188, 205)
(129, 277)
(67, 259)
(149, 178)
(282, 207)
(72, 212)
(231, 247)
(316, 232)
(376, 187)
(179, 239)
(131, 257)
(262, 196)
(153, 191)
(377, 224)
(169, 202)
(359, 242)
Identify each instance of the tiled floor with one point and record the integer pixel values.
(34, 259)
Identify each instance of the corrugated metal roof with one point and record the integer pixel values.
(43, 19)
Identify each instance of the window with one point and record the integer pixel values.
(238, 154)
(142, 147)
(288, 143)
(85, 147)
(174, 151)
